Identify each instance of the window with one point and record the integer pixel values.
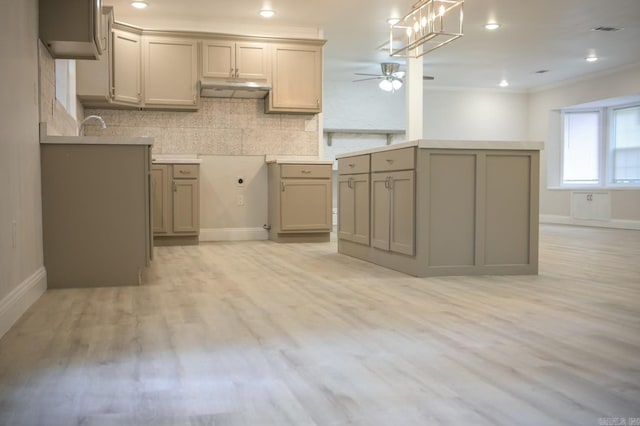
(581, 147)
(601, 147)
(625, 145)
(66, 84)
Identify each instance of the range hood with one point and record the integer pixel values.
(233, 89)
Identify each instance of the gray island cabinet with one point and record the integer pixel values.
(433, 208)
(96, 213)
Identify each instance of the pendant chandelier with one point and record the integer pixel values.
(430, 24)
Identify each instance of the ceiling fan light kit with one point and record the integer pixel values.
(430, 24)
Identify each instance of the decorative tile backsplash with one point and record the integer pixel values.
(219, 127)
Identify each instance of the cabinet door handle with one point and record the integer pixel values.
(175, 188)
(352, 165)
(390, 161)
(390, 182)
(231, 72)
(237, 72)
(305, 171)
(386, 182)
(185, 172)
(351, 182)
(282, 186)
(318, 102)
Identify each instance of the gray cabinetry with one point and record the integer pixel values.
(95, 209)
(176, 203)
(447, 208)
(71, 29)
(126, 78)
(170, 72)
(299, 202)
(229, 60)
(297, 79)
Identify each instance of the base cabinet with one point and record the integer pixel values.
(299, 202)
(444, 211)
(95, 211)
(176, 203)
(353, 208)
(392, 211)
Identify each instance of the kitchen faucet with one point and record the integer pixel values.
(87, 118)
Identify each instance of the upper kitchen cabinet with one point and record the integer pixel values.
(71, 29)
(126, 77)
(231, 60)
(94, 78)
(297, 79)
(170, 72)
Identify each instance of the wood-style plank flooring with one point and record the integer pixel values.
(259, 333)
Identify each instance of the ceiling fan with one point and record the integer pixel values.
(391, 78)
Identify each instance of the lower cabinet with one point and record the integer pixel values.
(176, 203)
(392, 211)
(299, 202)
(353, 208)
(441, 208)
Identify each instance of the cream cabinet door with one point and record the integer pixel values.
(170, 71)
(126, 68)
(346, 208)
(218, 59)
(393, 211)
(185, 206)
(353, 208)
(160, 175)
(252, 61)
(305, 205)
(296, 79)
(402, 219)
(380, 210)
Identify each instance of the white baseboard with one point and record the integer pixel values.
(567, 220)
(14, 304)
(233, 234)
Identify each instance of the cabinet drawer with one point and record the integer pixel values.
(353, 165)
(305, 171)
(399, 159)
(185, 171)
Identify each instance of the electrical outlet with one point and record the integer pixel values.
(240, 199)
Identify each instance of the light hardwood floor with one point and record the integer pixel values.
(259, 333)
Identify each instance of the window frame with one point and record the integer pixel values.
(605, 148)
(610, 147)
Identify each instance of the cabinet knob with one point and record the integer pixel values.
(352, 164)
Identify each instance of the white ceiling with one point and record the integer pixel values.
(553, 35)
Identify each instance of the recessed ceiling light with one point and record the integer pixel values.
(393, 21)
(267, 13)
(591, 58)
(139, 4)
(503, 83)
(492, 26)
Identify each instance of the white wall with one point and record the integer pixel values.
(22, 277)
(472, 114)
(555, 205)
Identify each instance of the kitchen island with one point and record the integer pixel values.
(430, 208)
(95, 209)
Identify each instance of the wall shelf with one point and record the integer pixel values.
(388, 132)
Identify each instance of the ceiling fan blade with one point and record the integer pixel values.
(372, 75)
(428, 77)
(370, 78)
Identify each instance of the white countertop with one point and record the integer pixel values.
(96, 140)
(452, 144)
(294, 160)
(175, 159)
